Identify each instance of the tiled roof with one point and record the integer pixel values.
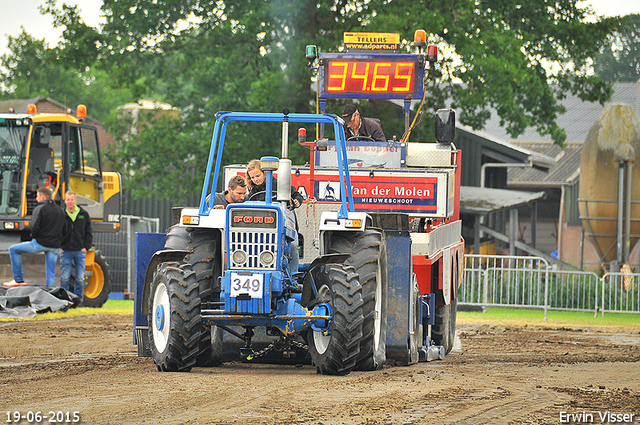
(578, 119)
(564, 171)
(18, 105)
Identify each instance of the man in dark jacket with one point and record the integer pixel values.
(75, 244)
(357, 126)
(47, 227)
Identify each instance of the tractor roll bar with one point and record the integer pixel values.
(217, 146)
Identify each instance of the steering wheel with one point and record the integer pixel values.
(361, 138)
(290, 204)
(261, 195)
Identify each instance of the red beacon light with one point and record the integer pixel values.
(432, 53)
(31, 109)
(81, 112)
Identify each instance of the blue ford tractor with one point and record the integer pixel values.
(224, 270)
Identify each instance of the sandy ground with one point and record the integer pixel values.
(496, 375)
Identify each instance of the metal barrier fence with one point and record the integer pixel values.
(516, 281)
(119, 250)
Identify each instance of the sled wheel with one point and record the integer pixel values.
(443, 332)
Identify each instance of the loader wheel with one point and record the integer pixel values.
(334, 351)
(98, 284)
(203, 246)
(443, 332)
(175, 327)
(369, 259)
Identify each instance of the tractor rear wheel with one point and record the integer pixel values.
(443, 332)
(98, 282)
(369, 259)
(335, 350)
(175, 328)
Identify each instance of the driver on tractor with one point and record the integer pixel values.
(358, 127)
(256, 182)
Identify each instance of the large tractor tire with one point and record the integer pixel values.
(335, 352)
(175, 328)
(203, 247)
(368, 256)
(443, 332)
(98, 282)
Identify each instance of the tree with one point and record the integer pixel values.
(519, 58)
(247, 55)
(32, 69)
(619, 60)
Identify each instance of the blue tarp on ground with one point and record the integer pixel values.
(26, 301)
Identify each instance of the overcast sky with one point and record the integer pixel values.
(15, 14)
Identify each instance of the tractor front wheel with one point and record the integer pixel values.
(334, 351)
(368, 256)
(175, 327)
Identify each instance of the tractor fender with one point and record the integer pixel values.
(308, 288)
(162, 256)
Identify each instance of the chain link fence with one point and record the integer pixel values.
(119, 250)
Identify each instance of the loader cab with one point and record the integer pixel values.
(54, 144)
(13, 142)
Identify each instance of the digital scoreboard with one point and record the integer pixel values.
(370, 75)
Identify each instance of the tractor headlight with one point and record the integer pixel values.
(267, 258)
(239, 257)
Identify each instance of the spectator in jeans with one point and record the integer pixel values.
(47, 227)
(75, 244)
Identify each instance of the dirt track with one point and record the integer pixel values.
(498, 374)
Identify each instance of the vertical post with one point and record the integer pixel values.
(627, 218)
(616, 267)
(534, 221)
(285, 135)
(407, 117)
(561, 221)
(323, 104)
(513, 226)
(582, 248)
(476, 240)
(268, 193)
(546, 291)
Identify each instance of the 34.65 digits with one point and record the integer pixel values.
(379, 77)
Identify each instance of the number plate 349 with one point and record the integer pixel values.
(247, 283)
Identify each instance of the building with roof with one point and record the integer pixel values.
(48, 105)
(559, 228)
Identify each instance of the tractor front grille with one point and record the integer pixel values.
(253, 243)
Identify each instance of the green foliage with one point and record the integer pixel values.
(168, 151)
(31, 69)
(205, 56)
(620, 57)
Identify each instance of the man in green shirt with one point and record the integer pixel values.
(75, 244)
